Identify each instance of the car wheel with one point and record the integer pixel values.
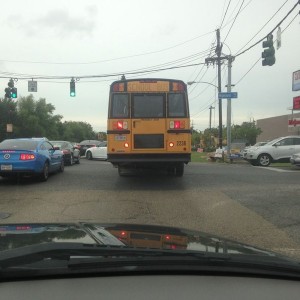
(45, 174)
(253, 162)
(71, 161)
(89, 155)
(264, 160)
(62, 166)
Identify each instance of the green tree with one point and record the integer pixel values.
(247, 131)
(77, 131)
(36, 118)
(8, 115)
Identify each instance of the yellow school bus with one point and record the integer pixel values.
(149, 125)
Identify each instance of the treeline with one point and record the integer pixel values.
(37, 118)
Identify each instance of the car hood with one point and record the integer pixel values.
(132, 235)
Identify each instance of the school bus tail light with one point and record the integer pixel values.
(126, 145)
(120, 125)
(171, 144)
(177, 124)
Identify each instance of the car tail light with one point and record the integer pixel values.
(25, 156)
(177, 124)
(126, 145)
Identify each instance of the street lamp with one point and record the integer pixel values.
(192, 82)
(210, 108)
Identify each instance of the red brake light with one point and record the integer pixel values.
(120, 125)
(25, 156)
(176, 124)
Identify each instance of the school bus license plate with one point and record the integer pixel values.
(120, 137)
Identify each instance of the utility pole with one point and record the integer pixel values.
(210, 108)
(230, 60)
(218, 52)
(218, 60)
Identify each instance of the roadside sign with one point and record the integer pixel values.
(296, 81)
(296, 103)
(32, 86)
(228, 95)
(294, 122)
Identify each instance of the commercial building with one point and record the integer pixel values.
(275, 127)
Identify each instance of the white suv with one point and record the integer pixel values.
(278, 150)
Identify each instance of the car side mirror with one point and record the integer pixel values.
(277, 144)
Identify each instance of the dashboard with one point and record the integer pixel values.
(152, 287)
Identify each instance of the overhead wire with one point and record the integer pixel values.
(260, 57)
(290, 11)
(264, 25)
(234, 21)
(225, 14)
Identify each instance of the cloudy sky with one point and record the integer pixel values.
(53, 39)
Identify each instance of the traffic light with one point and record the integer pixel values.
(14, 92)
(7, 92)
(72, 88)
(269, 54)
(11, 83)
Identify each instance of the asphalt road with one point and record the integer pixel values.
(259, 206)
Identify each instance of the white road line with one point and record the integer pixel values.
(276, 170)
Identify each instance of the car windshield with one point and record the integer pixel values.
(162, 101)
(18, 145)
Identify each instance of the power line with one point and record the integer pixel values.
(107, 75)
(234, 21)
(225, 13)
(260, 57)
(298, 2)
(263, 25)
(107, 60)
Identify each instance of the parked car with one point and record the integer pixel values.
(99, 152)
(246, 149)
(278, 150)
(87, 144)
(295, 159)
(29, 156)
(71, 152)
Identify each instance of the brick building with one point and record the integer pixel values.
(275, 127)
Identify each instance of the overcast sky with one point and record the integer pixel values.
(80, 38)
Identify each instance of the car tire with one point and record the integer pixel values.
(71, 161)
(89, 155)
(62, 166)
(45, 174)
(264, 160)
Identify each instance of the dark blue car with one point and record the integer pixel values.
(30, 156)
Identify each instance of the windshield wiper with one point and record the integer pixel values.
(80, 258)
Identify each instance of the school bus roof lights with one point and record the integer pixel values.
(118, 87)
(178, 87)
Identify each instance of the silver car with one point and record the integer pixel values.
(278, 150)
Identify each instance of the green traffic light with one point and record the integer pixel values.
(14, 93)
(72, 88)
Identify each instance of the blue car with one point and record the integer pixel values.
(30, 156)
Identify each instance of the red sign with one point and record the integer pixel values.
(294, 122)
(296, 103)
